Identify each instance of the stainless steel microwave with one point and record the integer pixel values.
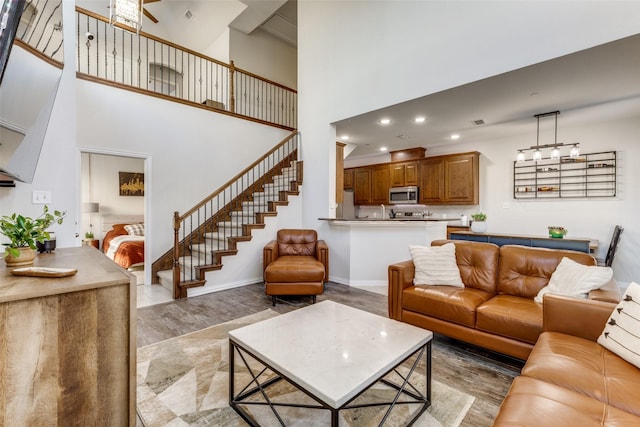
(400, 195)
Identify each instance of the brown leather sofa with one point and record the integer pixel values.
(495, 309)
(570, 379)
(296, 263)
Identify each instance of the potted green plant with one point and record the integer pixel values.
(88, 235)
(23, 232)
(479, 224)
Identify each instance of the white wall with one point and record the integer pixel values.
(348, 66)
(265, 55)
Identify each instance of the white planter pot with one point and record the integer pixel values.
(478, 226)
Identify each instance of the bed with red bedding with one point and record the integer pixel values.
(124, 248)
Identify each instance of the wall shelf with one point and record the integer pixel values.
(589, 175)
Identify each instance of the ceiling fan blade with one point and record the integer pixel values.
(149, 1)
(150, 16)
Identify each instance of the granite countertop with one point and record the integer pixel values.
(450, 221)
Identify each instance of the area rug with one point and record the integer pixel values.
(184, 381)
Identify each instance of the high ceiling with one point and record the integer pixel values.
(583, 85)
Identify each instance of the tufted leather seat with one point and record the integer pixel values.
(296, 263)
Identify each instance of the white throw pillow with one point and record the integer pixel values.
(621, 334)
(436, 265)
(573, 279)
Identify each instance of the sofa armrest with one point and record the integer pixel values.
(400, 277)
(575, 316)
(322, 254)
(269, 254)
(608, 293)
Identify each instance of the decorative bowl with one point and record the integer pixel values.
(557, 232)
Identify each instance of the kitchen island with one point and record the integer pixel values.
(362, 249)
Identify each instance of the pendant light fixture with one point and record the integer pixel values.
(555, 147)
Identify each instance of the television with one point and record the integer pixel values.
(10, 15)
(27, 95)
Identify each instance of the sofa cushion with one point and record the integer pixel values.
(573, 279)
(477, 262)
(296, 268)
(512, 317)
(621, 334)
(526, 270)
(531, 402)
(435, 265)
(453, 304)
(586, 367)
(297, 242)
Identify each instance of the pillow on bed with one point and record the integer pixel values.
(135, 229)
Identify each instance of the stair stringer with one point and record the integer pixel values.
(245, 267)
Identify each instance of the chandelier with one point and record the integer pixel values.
(126, 12)
(574, 151)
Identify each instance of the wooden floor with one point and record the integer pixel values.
(478, 372)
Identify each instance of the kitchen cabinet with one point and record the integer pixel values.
(348, 179)
(380, 179)
(371, 185)
(404, 174)
(450, 180)
(362, 185)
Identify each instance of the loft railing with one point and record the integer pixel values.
(157, 66)
(193, 253)
(40, 29)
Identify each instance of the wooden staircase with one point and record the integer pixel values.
(212, 229)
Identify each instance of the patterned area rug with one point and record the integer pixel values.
(184, 381)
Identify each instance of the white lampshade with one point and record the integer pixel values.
(91, 207)
(537, 155)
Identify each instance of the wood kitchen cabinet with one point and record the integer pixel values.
(362, 185)
(348, 179)
(380, 178)
(404, 174)
(450, 180)
(371, 184)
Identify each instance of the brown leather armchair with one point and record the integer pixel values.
(296, 263)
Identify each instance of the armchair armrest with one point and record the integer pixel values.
(322, 255)
(400, 277)
(575, 316)
(269, 254)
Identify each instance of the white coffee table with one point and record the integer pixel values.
(331, 352)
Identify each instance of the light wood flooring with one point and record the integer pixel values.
(478, 372)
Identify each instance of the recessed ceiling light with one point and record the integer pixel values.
(419, 119)
(455, 136)
(345, 137)
(385, 121)
(383, 148)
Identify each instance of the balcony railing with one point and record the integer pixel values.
(41, 29)
(150, 64)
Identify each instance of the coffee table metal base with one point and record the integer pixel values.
(237, 401)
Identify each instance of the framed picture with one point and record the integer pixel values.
(131, 183)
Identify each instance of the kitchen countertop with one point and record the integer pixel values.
(450, 221)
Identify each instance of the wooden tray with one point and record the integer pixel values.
(44, 271)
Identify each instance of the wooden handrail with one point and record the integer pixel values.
(39, 54)
(235, 178)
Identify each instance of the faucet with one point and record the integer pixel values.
(383, 215)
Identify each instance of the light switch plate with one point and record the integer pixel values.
(41, 197)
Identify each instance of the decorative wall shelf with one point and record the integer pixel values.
(589, 175)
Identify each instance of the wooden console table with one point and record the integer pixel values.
(574, 244)
(68, 344)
